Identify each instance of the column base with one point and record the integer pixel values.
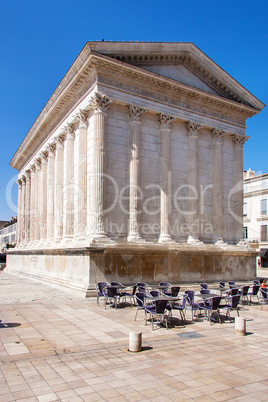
(135, 237)
(165, 238)
(192, 239)
(99, 238)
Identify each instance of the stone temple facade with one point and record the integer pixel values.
(134, 171)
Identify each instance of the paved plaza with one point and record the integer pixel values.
(56, 345)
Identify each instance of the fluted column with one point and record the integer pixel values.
(23, 209)
(68, 185)
(192, 181)
(50, 191)
(37, 199)
(217, 193)
(58, 206)
(19, 217)
(238, 141)
(32, 203)
(164, 167)
(27, 205)
(135, 113)
(80, 215)
(100, 103)
(43, 198)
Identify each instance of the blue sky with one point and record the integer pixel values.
(39, 41)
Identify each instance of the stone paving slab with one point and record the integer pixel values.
(66, 348)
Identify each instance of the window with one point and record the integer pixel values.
(263, 232)
(264, 184)
(245, 209)
(245, 232)
(264, 207)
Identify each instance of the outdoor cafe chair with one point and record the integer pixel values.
(180, 307)
(243, 293)
(232, 304)
(263, 298)
(256, 282)
(231, 284)
(164, 286)
(142, 286)
(222, 285)
(204, 291)
(130, 295)
(99, 288)
(211, 306)
(191, 305)
(203, 286)
(254, 292)
(158, 310)
(111, 296)
(174, 291)
(140, 298)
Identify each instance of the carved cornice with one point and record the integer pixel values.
(193, 128)
(218, 134)
(165, 120)
(135, 112)
(100, 102)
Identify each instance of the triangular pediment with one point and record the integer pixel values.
(180, 61)
(181, 74)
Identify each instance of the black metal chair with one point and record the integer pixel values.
(111, 296)
(211, 306)
(232, 304)
(99, 288)
(158, 310)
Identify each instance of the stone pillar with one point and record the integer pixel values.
(43, 198)
(37, 199)
(27, 206)
(100, 103)
(68, 184)
(32, 203)
(50, 191)
(58, 202)
(192, 182)
(164, 168)
(135, 113)
(23, 209)
(80, 215)
(19, 217)
(237, 191)
(217, 191)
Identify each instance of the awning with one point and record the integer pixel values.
(263, 253)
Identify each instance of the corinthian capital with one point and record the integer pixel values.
(239, 140)
(100, 102)
(69, 130)
(193, 128)
(165, 120)
(82, 116)
(135, 112)
(218, 134)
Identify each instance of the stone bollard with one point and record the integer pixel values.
(135, 341)
(240, 326)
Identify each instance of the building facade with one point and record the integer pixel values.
(255, 213)
(134, 170)
(8, 234)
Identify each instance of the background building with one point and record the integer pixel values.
(255, 213)
(134, 171)
(8, 234)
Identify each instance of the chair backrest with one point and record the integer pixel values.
(134, 290)
(175, 290)
(154, 293)
(245, 290)
(164, 284)
(233, 291)
(231, 284)
(264, 293)
(255, 289)
(160, 306)
(142, 289)
(190, 294)
(140, 296)
(204, 291)
(215, 302)
(256, 282)
(112, 291)
(116, 284)
(235, 301)
(184, 300)
(141, 284)
(203, 285)
(222, 285)
(101, 286)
